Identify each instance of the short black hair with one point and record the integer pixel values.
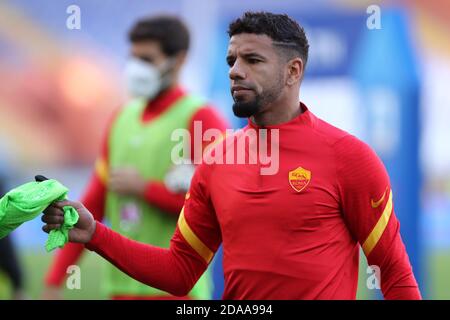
(169, 31)
(284, 31)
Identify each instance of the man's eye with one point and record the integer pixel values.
(253, 61)
(230, 63)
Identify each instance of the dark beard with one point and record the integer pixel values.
(246, 109)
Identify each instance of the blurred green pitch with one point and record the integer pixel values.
(36, 264)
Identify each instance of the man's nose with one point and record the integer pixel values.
(237, 71)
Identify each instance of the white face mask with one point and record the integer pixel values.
(145, 80)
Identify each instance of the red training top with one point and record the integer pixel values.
(295, 234)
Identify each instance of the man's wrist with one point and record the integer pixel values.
(92, 230)
(144, 189)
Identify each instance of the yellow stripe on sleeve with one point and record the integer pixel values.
(193, 240)
(379, 228)
(101, 169)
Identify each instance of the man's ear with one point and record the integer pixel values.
(180, 59)
(295, 71)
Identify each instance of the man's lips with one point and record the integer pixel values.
(237, 89)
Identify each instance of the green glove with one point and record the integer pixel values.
(27, 201)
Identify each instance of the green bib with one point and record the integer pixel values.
(147, 147)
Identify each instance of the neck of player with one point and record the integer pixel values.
(282, 110)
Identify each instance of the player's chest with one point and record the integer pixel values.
(299, 195)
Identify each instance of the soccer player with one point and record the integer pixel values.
(135, 184)
(295, 234)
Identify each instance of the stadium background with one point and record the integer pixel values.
(387, 86)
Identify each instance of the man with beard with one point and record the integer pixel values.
(295, 234)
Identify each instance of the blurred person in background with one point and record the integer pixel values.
(135, 185)
(9, 261)
(10, 265)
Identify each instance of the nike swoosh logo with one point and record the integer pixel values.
(376, 204)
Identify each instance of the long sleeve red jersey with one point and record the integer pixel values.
(295, 234)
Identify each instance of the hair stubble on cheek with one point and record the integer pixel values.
(266, 93)
(274, 86)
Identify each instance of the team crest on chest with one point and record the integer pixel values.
(299, 178)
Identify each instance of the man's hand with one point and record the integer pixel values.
(82, 231)
(127, 181)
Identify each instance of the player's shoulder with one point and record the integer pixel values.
(218, 152)
(127, 109)
(208, 115)
(206, 111)
(213, 155)
(114, 117)
(352, 146)
(357, 162)
(346, 146)
(326, 131)
(202, 104)
(351, 152)
(335, 136)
